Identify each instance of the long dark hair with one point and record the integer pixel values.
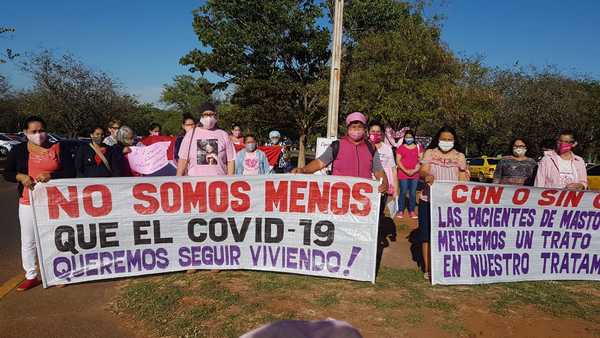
(436, 139)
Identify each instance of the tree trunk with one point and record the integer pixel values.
(301, 151)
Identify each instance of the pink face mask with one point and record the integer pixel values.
(208, 122)
(356, 135)
(563, 148)
(375, 138)
(37, 139)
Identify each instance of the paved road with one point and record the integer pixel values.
(74, 311)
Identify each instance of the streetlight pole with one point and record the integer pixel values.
(336, 64)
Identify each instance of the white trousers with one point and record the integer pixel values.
(28, 251)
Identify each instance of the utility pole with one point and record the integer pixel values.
(336, 64)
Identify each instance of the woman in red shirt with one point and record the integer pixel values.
(408, 158)
(28, 163)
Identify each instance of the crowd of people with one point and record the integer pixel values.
(202, 149)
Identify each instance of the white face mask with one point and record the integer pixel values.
(519, 151)
(446, 146)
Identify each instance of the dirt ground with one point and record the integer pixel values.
(400, 304)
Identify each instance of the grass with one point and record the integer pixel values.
(228, 304)
(565, 299)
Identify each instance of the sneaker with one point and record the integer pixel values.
(413, 215)
(427, 276)
(399, 215)
(28, 284)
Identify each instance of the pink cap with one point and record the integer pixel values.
(356, 116)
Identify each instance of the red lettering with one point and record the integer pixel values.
(140, 193)
(238, 190)
(56, 200)
(362, 199)
(478, 194)
(167, 190)
(597, 201)
(493, 195)
(547, 197)
(455, 191)
(318, 197)
(218, 196)
(88, 204)
(297, 196)
(336, 208)
(276, 197)
(194, 197)
(573, 198)
(521, 196)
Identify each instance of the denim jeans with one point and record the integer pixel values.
(409, 186)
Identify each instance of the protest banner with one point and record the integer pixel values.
(484, 233)
(118, 227)
(272, 152)
(150, 159)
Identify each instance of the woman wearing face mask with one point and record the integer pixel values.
(408, 158)
(441, 161)
(91, 159)
(187, 124)
(386, 156)
(562, 169)
(28, 163)
(516, 169)
(236, 135)
(118, 154)
(154, 129)
(217, 159)
(251, 161)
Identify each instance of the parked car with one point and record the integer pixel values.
(482, 168)
(594, 178)
(6, 144)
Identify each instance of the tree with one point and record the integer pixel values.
(275, 54)
(187, 93)
(8, 53)
(396, 66)
(71, 95)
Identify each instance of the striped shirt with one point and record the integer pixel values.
(443, 167)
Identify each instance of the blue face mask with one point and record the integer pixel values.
(250, 147)
(409, 140)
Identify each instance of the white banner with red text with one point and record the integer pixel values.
(90, 229)
(485, 233)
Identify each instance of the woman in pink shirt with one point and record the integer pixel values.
(441, 161)
(408, 157)
(562, 169)
(386, 156)
(206, 150)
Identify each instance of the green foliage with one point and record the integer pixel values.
(70, 95)
(397, 68)
(274, 53)
(187, 93)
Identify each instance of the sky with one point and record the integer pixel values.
(139, 43)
